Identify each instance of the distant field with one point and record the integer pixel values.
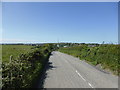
(14, 50)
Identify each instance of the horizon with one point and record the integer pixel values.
(55, 42)
(80, 22)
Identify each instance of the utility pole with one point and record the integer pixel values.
(58, 43)
(103, 42)
(58, 40)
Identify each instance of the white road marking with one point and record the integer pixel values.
(90, 85)
(84, 79)
(80, 75)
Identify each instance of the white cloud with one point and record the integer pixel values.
(16, 41)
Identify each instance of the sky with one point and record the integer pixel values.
(51, 22)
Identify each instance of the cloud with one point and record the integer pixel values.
(16, 41)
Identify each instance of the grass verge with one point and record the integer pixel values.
(106, 55)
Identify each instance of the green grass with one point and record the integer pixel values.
(106, 55)
(14, 50)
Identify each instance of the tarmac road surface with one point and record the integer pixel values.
(65, 71)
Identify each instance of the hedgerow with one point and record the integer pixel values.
(23, 71)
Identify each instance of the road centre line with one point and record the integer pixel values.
(90, 85)
(80, 75)
(83, 78)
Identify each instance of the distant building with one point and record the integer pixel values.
(91, 45)
(64, 46)
(58, 45)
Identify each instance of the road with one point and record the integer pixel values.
(65, 71)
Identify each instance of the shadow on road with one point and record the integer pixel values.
(41, 80)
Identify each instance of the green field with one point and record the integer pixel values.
(14, 50)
